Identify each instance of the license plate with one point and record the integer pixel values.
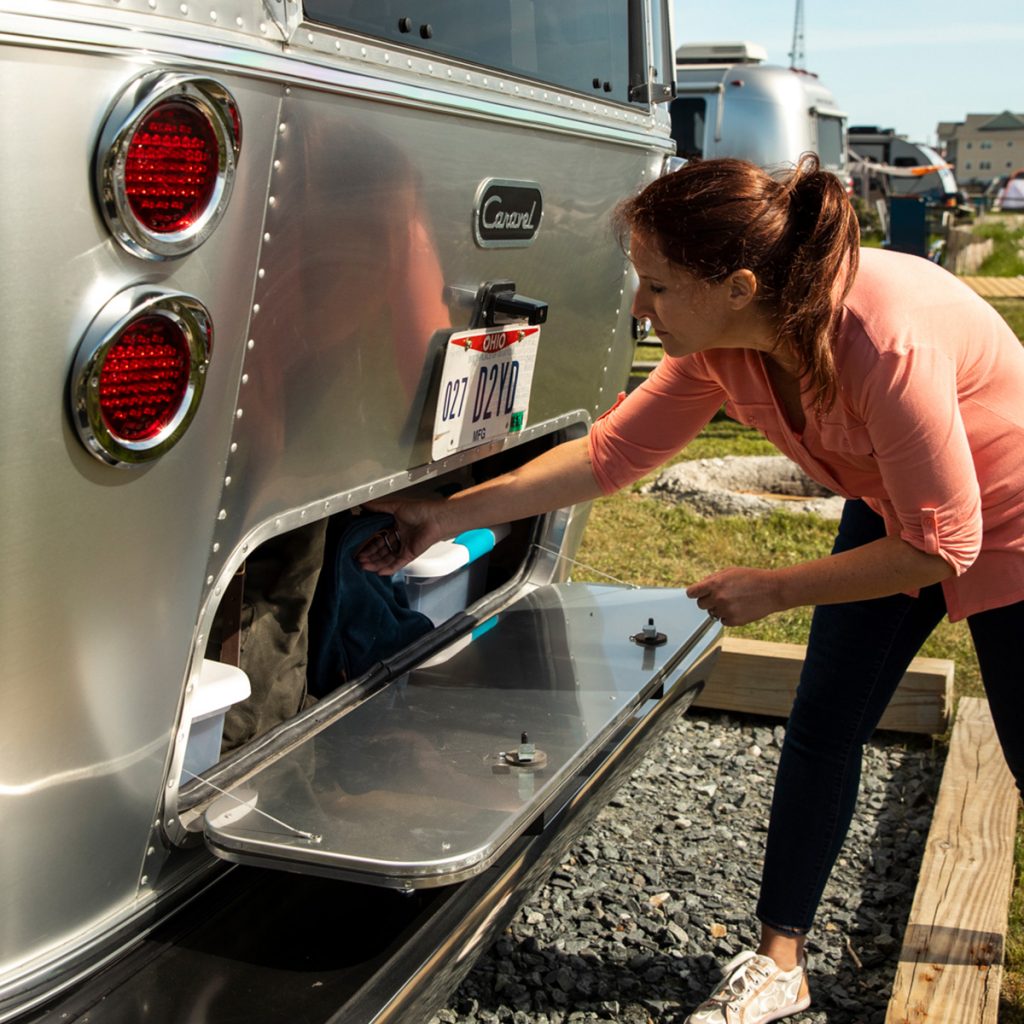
(485, 387)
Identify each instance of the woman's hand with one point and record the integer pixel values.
(886, 566)
(417, 526)
(558, 478)
(738, 596)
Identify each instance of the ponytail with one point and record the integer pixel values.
(821, 253)
(798, 235)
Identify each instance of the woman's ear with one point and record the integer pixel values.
(742, 288)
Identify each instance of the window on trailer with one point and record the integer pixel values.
(830, 141)
(689, 118)
(581, 45)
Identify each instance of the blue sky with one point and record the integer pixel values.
(903, 64)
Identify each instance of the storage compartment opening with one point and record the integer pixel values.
(301, 620)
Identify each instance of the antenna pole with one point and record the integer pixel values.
(796, 54)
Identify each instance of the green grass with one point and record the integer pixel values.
(647, 353)
(649, 541)
(1007, 259)
(1012, 311)
(723, 436)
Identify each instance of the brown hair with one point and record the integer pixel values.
(797, 234)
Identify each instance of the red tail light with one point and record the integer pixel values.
(144, 378)
(171, 167)
(166, 162)
(139, 375)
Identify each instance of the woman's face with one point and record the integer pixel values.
(688, 315)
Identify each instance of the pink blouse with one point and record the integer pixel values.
(928, 427)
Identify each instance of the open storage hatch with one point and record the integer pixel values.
(430, 778)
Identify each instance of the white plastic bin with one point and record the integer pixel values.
(451, 574)
(218, 687)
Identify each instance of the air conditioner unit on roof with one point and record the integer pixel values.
(721, 53)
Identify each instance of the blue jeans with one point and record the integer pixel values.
(856, 655)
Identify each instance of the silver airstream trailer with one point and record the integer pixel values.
(730, 102)
(263, 261)
(887, 164)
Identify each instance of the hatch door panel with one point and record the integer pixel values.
(429, 779)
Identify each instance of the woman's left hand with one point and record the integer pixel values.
(737, 596)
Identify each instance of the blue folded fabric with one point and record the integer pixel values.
(357, 618)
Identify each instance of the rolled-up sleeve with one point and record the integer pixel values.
(655, 421)
(912, 411)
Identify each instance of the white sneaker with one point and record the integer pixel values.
(753, 991)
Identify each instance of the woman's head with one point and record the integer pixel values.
(796, 235)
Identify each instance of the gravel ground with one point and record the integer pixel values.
(633, 926)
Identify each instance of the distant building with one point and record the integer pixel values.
(984, 147)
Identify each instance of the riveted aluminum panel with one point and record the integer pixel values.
(103, 567)
(370, 219)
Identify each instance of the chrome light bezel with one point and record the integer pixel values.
(136, 102)
(185, 312)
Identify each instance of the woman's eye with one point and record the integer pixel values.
(657, 289)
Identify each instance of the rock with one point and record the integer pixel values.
(739, 485)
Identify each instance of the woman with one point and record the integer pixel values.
(889, 382)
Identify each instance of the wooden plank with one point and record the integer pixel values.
(760, 677)
(951, 961)
(996, 287)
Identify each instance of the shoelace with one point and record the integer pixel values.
(749, 975)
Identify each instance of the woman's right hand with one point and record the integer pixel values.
(558, 478)
(417, 526)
